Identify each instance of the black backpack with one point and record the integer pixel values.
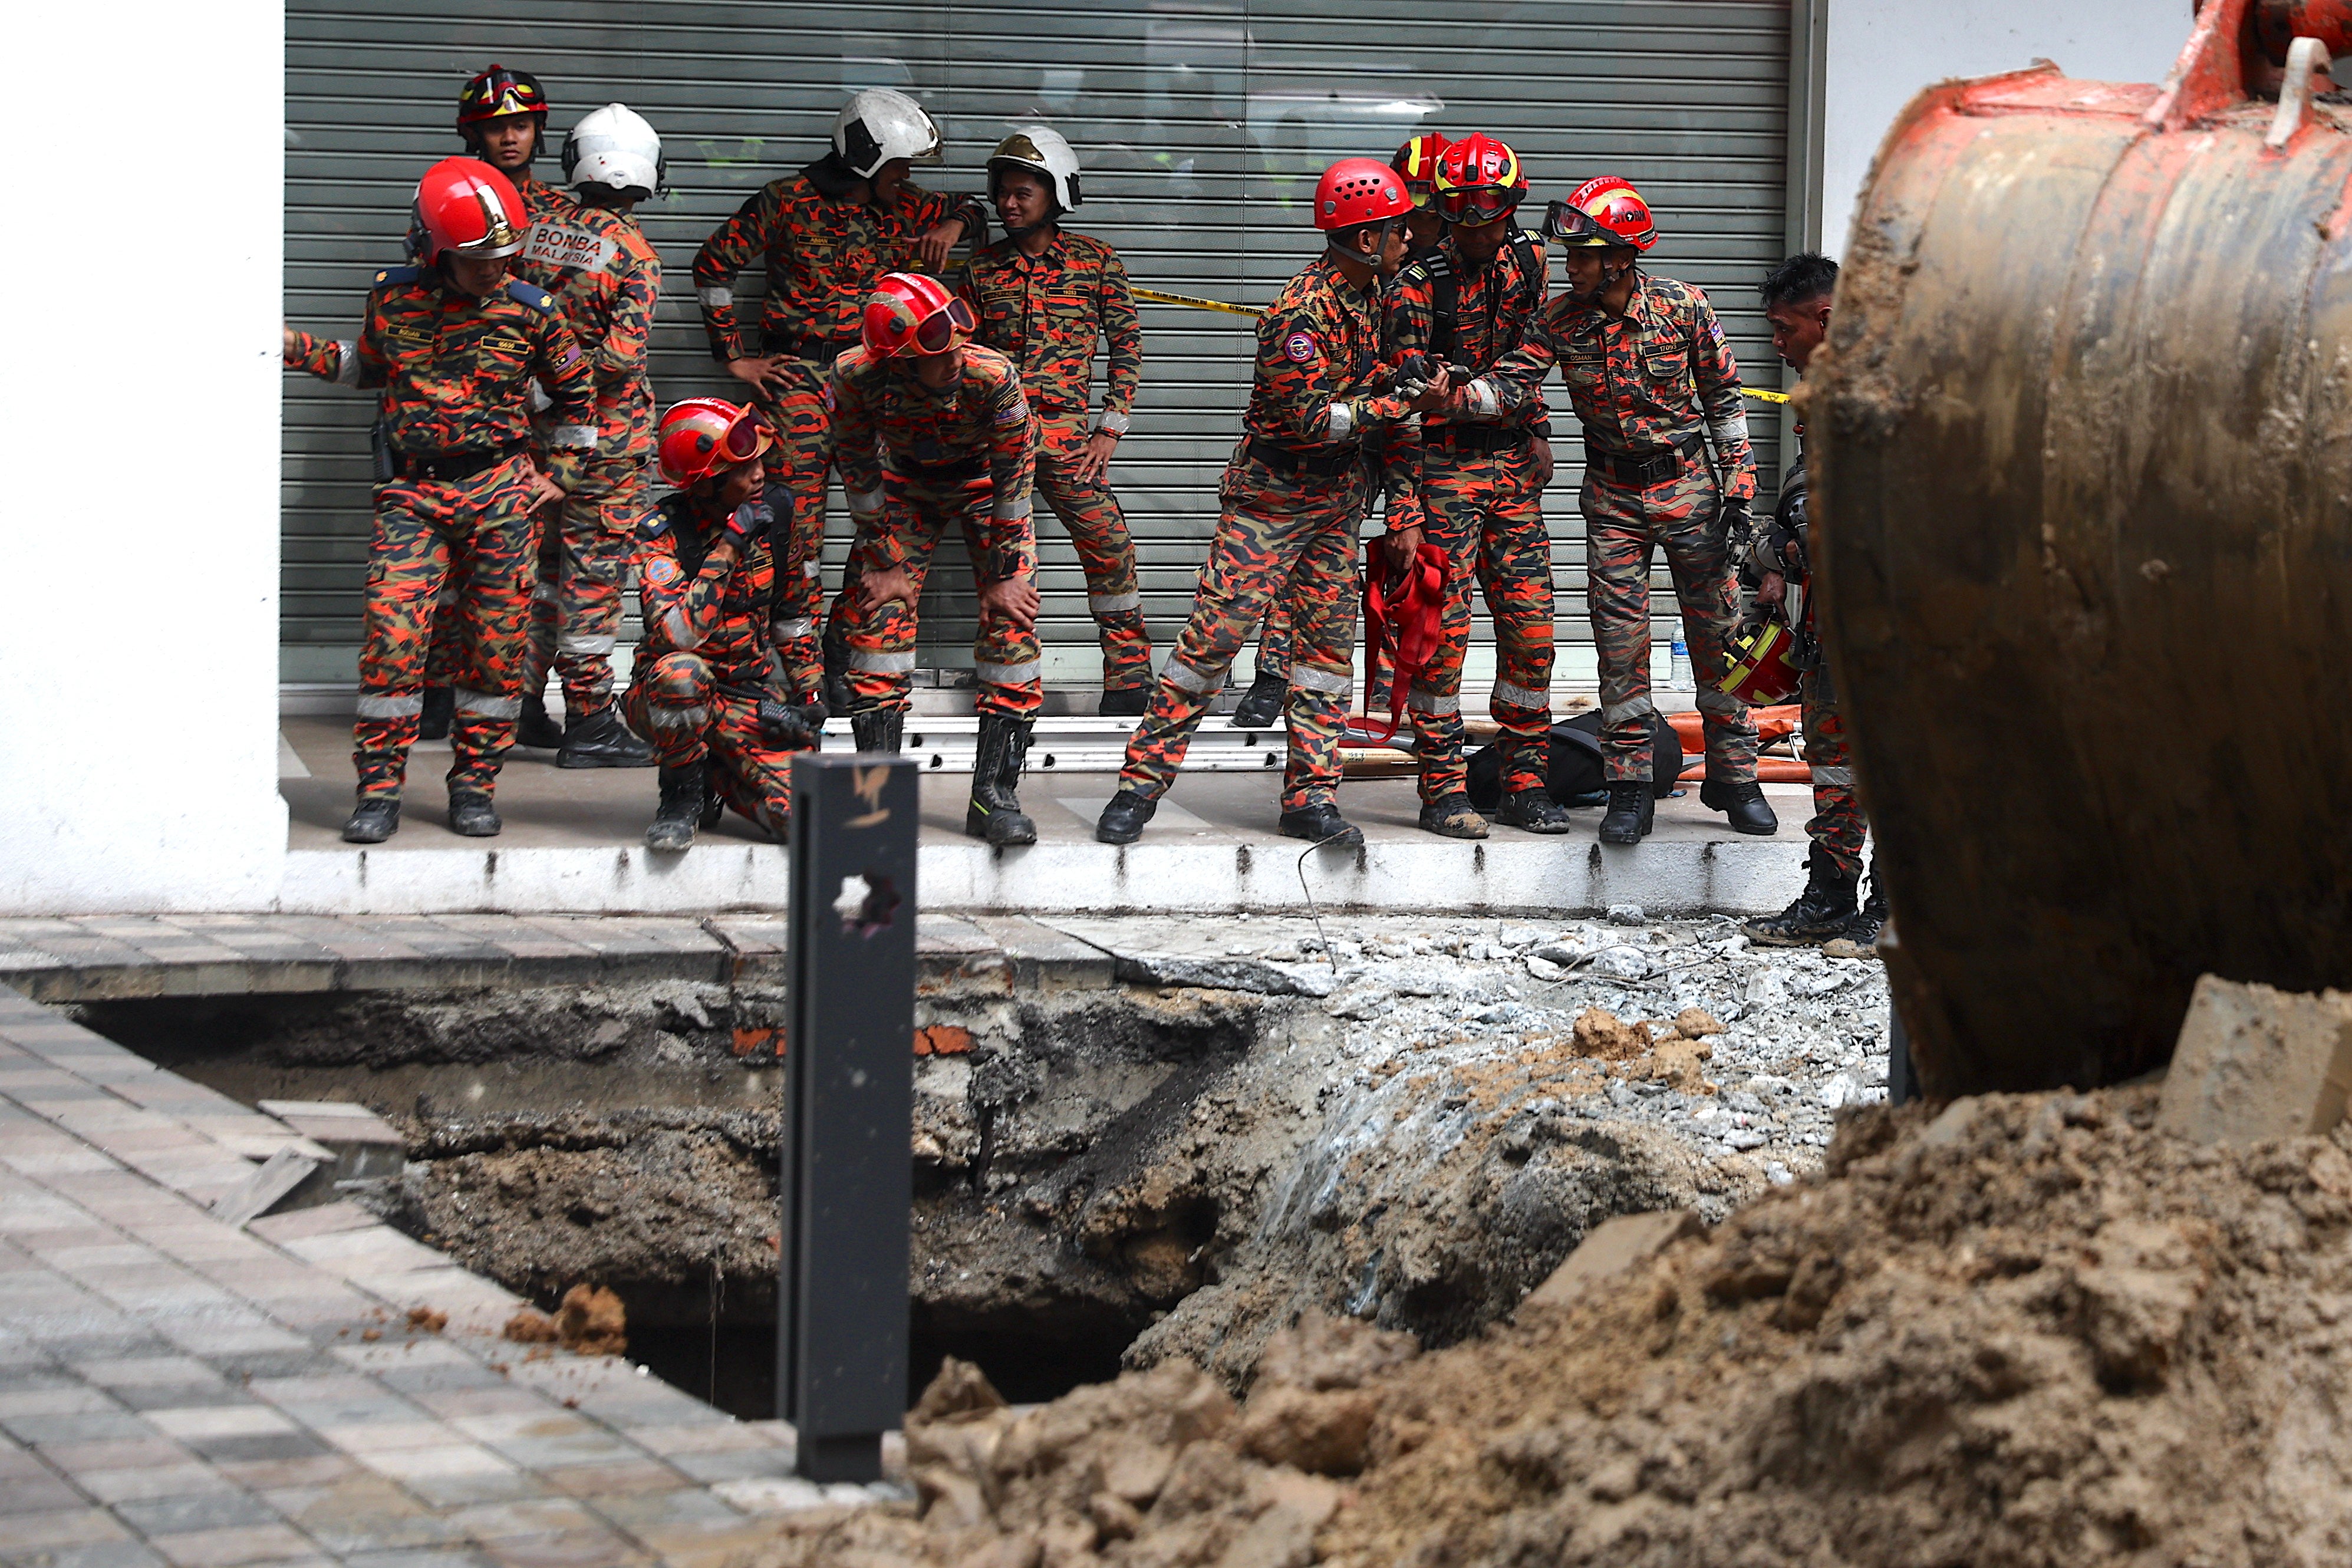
(1573, 776)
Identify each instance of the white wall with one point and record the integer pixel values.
(1882, 52)
(138, 420)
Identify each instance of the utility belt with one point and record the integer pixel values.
(818, 351)
(1467, 438)
(1654, 467)
(443, 467)
(906, 467)
(1296, 465)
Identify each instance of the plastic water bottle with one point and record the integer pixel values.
(1678, 675)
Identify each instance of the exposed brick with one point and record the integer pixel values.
(2254, 1063)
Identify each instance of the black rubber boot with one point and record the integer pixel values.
(1322, 822)
(1261, 705)
(602, 740)
(880, 729)
(1824, 910)
(1533, 810)
(995, 811)
(472, 816)
(1743, 804)
(440, 707)
(1122, 820)
(682, 808)
(1453, 816)
(1631, 807)
(374, 820)
(1127, 703)
(534, 728)
(835, 645)
(1858, 938)
(714, 805)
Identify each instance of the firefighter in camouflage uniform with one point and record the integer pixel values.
(1467, 303)
(1323, 413)
(935, 434)
(1797, 296)
(1044, 298)
(604, 273)
(825, 237)
(502, 120)
(1652, 383)
(455, 344)
(708, 688)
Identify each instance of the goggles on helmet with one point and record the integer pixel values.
(1571, 225)
(944, 328)
(1479, 204)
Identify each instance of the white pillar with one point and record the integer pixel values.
(139, 411)
(1882, 52)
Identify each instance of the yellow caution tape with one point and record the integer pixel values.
(1160, 297)
(1767, 396)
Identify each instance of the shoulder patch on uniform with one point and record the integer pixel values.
(531, 294)
(1299, 347)
(393, 277)
(656, 523)
(663, 572)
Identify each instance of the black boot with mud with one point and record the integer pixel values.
(995, 813)
(1743, 804)
(835, 645)
(1824, 910)
(1261, 705)
(602, 740)
(683, 795)
(878, 729)
(1533, 811)
(472, 816)
(1127, 703)
(1322, 824)
(1453, 816)
(1859, 936)
(434, 719)
(533, 727)
(374, 820)
(1630, 809)
(1122, 820)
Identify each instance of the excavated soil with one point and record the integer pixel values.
(2026, 1330)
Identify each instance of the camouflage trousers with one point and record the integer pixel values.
(1278, 535)
(1106, 554)
(799, 464)
(1486, 512)
(480, 532)
(1625, 525)
(687, 717)
(586, 547)
(1837, 827)
(917, 510)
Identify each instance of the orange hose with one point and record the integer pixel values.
(1772, 723)
(1768, 770)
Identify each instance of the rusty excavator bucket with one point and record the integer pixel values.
(2082, 450)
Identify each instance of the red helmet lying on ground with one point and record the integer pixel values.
(704, 434)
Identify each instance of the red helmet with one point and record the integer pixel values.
(1479, 181)
(1606, 211)
(1759, 672)
(910, 313)
(703, 434)
(1416, 164)
(497, 92)
(1359, 189)
(465, 206)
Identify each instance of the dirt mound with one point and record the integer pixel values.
(2028, 1332)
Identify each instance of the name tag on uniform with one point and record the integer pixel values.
(561, 245)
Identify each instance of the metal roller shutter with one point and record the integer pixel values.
(1203, 128)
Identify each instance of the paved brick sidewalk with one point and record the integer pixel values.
(175, 1390)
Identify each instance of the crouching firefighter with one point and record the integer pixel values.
(708, 690)
(1797, 296)
(932, 430)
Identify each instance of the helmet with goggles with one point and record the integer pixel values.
(703, 436)
(910, 313)
(1416, 164)
(499, 91)
(1602, 212)
(1479, 181)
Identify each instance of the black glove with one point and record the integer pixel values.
(1415, 368)
(746, 522)
(786, 728)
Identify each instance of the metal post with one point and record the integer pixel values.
(1900, 1089)
(848, 1180)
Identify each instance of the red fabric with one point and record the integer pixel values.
(1404, 613)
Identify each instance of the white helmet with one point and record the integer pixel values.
(879, 125)
(615, 147)
(1041, 150)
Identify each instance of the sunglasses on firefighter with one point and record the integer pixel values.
(937, 333)
(1478, 205)
(1566, 221)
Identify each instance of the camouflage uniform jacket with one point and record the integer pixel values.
(1319, 380)
(695, 604)
(822, 257)
(1046, 313)
(605, 274)
(879, 404)
(1492, 306)
(541, 203)
(1653, 378)
(455, 371)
